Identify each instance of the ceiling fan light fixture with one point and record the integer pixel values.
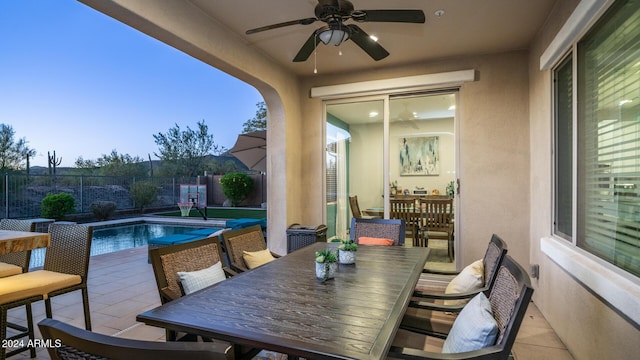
(333, 36)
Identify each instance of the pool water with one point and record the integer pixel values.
(110, 239)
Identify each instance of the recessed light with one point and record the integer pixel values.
(373, 114)
(452, 107)
(439, 13)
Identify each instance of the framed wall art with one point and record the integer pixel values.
(420, 155)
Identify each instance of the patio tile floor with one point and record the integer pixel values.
(122, 285)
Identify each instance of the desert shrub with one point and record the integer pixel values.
(56, 206)
(103, 210)
(144, 193)
(236, 187)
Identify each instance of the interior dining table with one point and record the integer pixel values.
(15, 241)
(282, 306)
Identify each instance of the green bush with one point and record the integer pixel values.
(56, 206)
(103, 210)
(236, 187)
(144, 193)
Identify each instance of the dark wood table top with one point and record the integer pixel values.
(16, 241)
(281, 306)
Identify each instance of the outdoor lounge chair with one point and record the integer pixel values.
(431, 308)
(507, 303)
(392, 229)
(237, 242)
(18, 262)
(72, 343)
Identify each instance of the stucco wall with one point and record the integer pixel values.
(587, 326)
(494, 150)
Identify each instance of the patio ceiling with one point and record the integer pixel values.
(467, 27)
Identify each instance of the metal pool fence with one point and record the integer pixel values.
(22, 194)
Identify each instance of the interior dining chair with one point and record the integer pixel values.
(355, 209)
(392, 229)
(436, 222)
(238, 243)
(405, 209)
(492, 335)
(433, 309)
(17, 262)
(72, 343)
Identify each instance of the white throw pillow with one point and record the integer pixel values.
(195, 280)
(470, 278)
(474, 328)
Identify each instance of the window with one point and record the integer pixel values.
(607, 153)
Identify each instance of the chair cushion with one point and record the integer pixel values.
(39, 282)
(9, 269)
(195, 280)
(253, 259)
(469, 279)
(474, 328)
(365, 240)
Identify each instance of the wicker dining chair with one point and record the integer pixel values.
(393, 229)
(236, 242)
(72, 343)
(191, 256)
(508, 299)
(429, 308)
(18, 262)
(66, 264)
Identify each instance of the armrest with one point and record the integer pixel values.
(436, 307)
(443, 296)
(274, 254)
(168, 294)
(487, 353)
(229, 272)
(440, 272)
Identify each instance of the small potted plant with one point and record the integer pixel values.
(347, 251)
(326, 264)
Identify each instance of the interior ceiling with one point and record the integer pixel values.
(467, 27)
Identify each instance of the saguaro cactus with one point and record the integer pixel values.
(53, 162)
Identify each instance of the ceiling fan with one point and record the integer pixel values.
(335, 13)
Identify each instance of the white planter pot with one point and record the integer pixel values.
(346, 257)
(321, 271)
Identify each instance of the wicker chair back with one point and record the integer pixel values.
(247, 239)
(69, 249)
(19, 258)
(393, 229)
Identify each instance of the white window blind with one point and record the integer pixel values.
(609, 137)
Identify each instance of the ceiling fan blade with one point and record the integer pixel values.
(370, 46)
(305, 21)
(307, 48)
(404, 16)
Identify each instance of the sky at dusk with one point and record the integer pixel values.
(77, 82)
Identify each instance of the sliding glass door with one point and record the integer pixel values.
(385, 147)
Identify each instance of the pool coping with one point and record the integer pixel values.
(151, 219)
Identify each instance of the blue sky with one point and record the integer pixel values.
(78, 82)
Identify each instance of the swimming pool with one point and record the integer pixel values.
(109, 239)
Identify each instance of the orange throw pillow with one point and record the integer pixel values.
(363, 240)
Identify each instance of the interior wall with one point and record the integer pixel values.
(444, 129)
(494, 159)
(586, 325)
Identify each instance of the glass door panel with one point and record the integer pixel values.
(354, 161)
(422, 150)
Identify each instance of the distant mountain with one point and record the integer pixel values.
(222, 158)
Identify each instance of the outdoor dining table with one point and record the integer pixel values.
(283, 307)
(16, 241)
